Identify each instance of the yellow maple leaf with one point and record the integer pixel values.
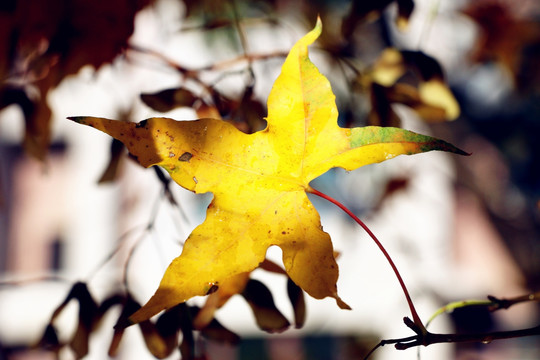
(259, 181)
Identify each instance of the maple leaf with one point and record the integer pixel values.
(430, 97)
(259, 181)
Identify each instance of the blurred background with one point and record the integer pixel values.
(84, 230)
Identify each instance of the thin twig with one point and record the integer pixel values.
(434, 338)
(148, 228)
(120, 243)
(193, 74)
(429, 338)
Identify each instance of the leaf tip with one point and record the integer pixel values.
(140, 315)
(318, 24)
(454, 149)
(77, 119)
(342, 305)
(311, 36)
(123, 323)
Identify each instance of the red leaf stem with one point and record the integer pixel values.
(412, 308)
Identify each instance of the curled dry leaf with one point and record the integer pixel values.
(296, 296)
(267, 316)
(88, 318)
(111, 171)
(241, 284)
(431, 98)
(167, 100)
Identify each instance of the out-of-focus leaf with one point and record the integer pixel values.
(13, 95)
(432, 88)
(369, 10)
(49, 340)
(89, 316)
(260, 299)
(160, 338)
(388, 68)
(362, 10)
(111, 301)
(405, 9)
(187, 346)
(207, 111)
(392, 64)
(296, 296)
(128, 308)
(271, 266)
(250, 111)
(155, 343)
(430, 111)
(36, 116)
(431, 98)
(393, 186)
(425, 67)
(217, 332)
(111, 172)
(246, 114)
(167, 100)
(381, 112)
(223, 104)
(214, 330)
(434, 93)
(505, 39)
(37, 131)
(231, 286)
(44, 41)
(169, 325)
(37, 122)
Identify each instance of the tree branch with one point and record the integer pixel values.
(429, 338)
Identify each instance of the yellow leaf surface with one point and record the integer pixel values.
(259, 181)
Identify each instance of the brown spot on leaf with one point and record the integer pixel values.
(212, 289)
(185, 156)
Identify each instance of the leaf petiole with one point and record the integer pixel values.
(416, 319)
